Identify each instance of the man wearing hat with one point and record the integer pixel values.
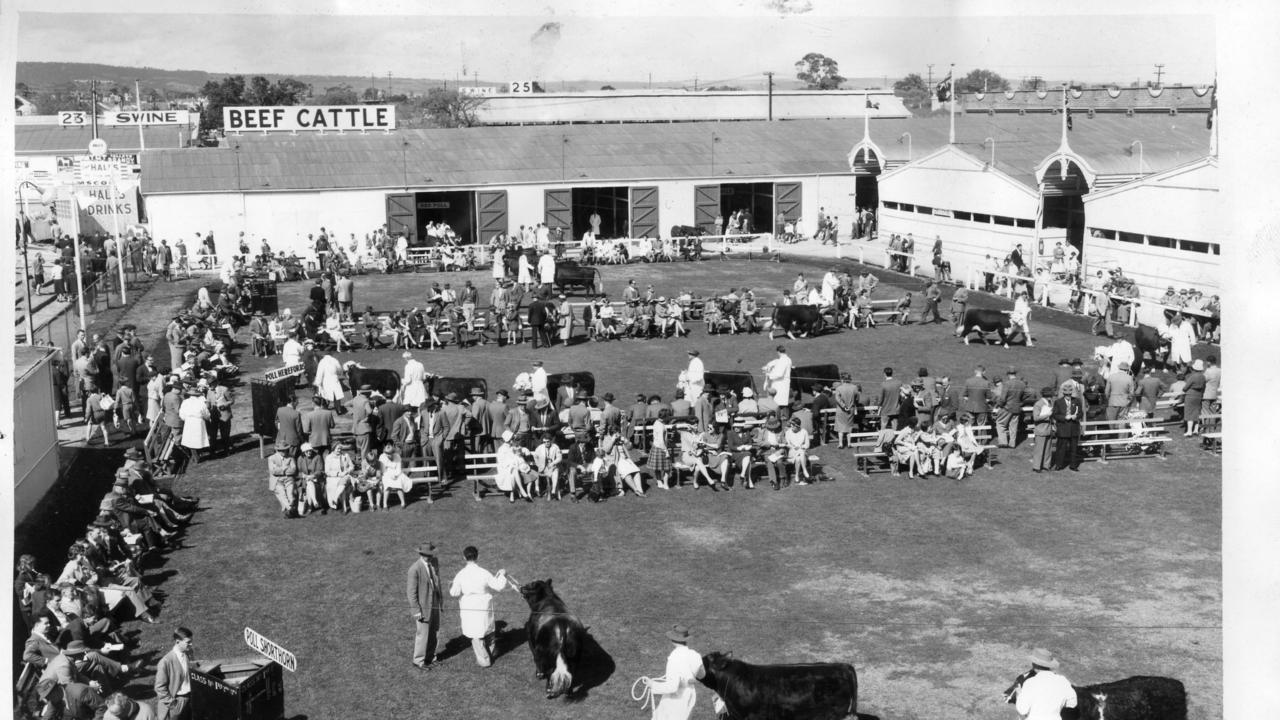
(73, 701)
(1013, 393)
(676, 692)
(407, 435)
(1068, 412)
(580, 415)
(544, 418)
(260, 334)
(78, 664)
(1119, 392)
(288, 428)
(480, 421)
(448, 446)
(362, 419)
(610, 415)
(195, 415)
(498, 411)
(694, 377)
(173, 678)
(425, 598)
(1042, 692)
(122, 707)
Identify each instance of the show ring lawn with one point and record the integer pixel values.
(934, 590)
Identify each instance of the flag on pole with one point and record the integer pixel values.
(944, 88)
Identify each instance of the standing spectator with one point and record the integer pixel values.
(174, 334)
(282, 480)
(1067, 414)
(890, 389)
(1042, 422)
(173, 684)
(61, 391)
(425, 599)
(777, 374)
(1193, 398)
(195, 415)
(318, 426)
(1149, 390)
(1009, 418)
(345, 290)
(932, 295)
(288, 428)
(1182, 336)
(1119, 390)
(97, 410)
(126, 408)
(473, 585)
(1212, 383)
(977, 397)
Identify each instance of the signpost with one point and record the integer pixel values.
(73, 118)
(97, 147)
(270, 650)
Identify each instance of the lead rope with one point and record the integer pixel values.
(645, 695)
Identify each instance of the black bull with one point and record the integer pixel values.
(556, 638)
(804, 319)
(814, 691)
(808, 378)
(572, 275)
(1146, 339)
(686, 231)
(983, 321)
(383, 380)
(1142, 697)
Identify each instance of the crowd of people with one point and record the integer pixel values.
(76, 647)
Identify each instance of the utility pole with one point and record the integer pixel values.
(1159, 73)
(695, 83)
(930, 81)
(770, 76)
(93, 106)
(388, 83)
(475, 78)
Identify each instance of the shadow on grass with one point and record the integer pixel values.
(508, 638)
(596, 666)
(867, 716)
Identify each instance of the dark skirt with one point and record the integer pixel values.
(660, 461)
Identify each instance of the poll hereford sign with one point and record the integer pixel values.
(309, 117)
(270, 650)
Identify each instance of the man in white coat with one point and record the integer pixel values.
(472, 585)
(777, 376)
(694, 377)
(328, 380)
(547, 268)
(538, 381)
(413, 383)
(675, 693)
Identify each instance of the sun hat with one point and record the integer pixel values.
(748, 392)
(307, 447)
(1043, 658)
(1197, 365)
(678, 634)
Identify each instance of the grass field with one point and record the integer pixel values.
(934, 590)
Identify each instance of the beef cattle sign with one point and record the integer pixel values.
(270, 650)
(309, 117)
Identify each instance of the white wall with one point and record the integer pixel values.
(665, 105)
(526, 205)
(1156, 268)
(35, 440)
(965, 244)
(833, 192)
(675, 204)
(1187, 206)
(955, 181)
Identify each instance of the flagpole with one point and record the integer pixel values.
(137, 99)
(951, 103)
(1064, 113)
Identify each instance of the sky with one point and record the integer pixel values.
(712, 41)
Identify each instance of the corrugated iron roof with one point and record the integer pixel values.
(1185, 98)
(634, 152)
(52, 140)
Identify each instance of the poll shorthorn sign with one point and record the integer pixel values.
(345, 118)
(270, 650)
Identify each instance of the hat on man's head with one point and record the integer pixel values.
(607, 397)
(503, 392)
(76, 647)
(133, 454)
(678, 634)
(772, 423)
(1043, 658)
(1124, 365)
(580, 395)
(695, 353)
(1077, 361)
(427, 548)
(452, 397)
(543, 401)
(475, 391)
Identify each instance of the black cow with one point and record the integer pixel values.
(806, 378)
(383, 380)
(686, 231)
(804, 319)
(556, 638)
(1137, 698)
(734, 380)
(1142, 697)
(814, 691)
(572, 275)
(983, 321)
(1147, 339)
(462, 386)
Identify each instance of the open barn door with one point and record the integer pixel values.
(491, 214)
(706, 205)
(644, 212)
(402, 215)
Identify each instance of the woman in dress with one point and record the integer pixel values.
(903, 451)
(413, 386)
(194, 412)
(714, 456)
(512, 469)
(333, 328)
(618, 454)
(393, 477)
(691, 457)
(966, 441)
(525, 272)
(1193, 396)
(798, 441)
(659, 456)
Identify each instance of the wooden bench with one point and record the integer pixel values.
(868, 457)
(1211, 433)
(479, 468)
(1115, 439)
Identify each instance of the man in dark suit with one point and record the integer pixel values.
(173, 683)
(169, 404)
(73, 701)
(1067, 414)
(497, 410)
(362, 419)
(978, 394)
(387, 412)
(406, 435)
(289, 428)
(425, 597)
(1149, 391)
(448, 445)
(1009, 418)
(482, 441)
(318, 296)
(890, 402)
(537, 321)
